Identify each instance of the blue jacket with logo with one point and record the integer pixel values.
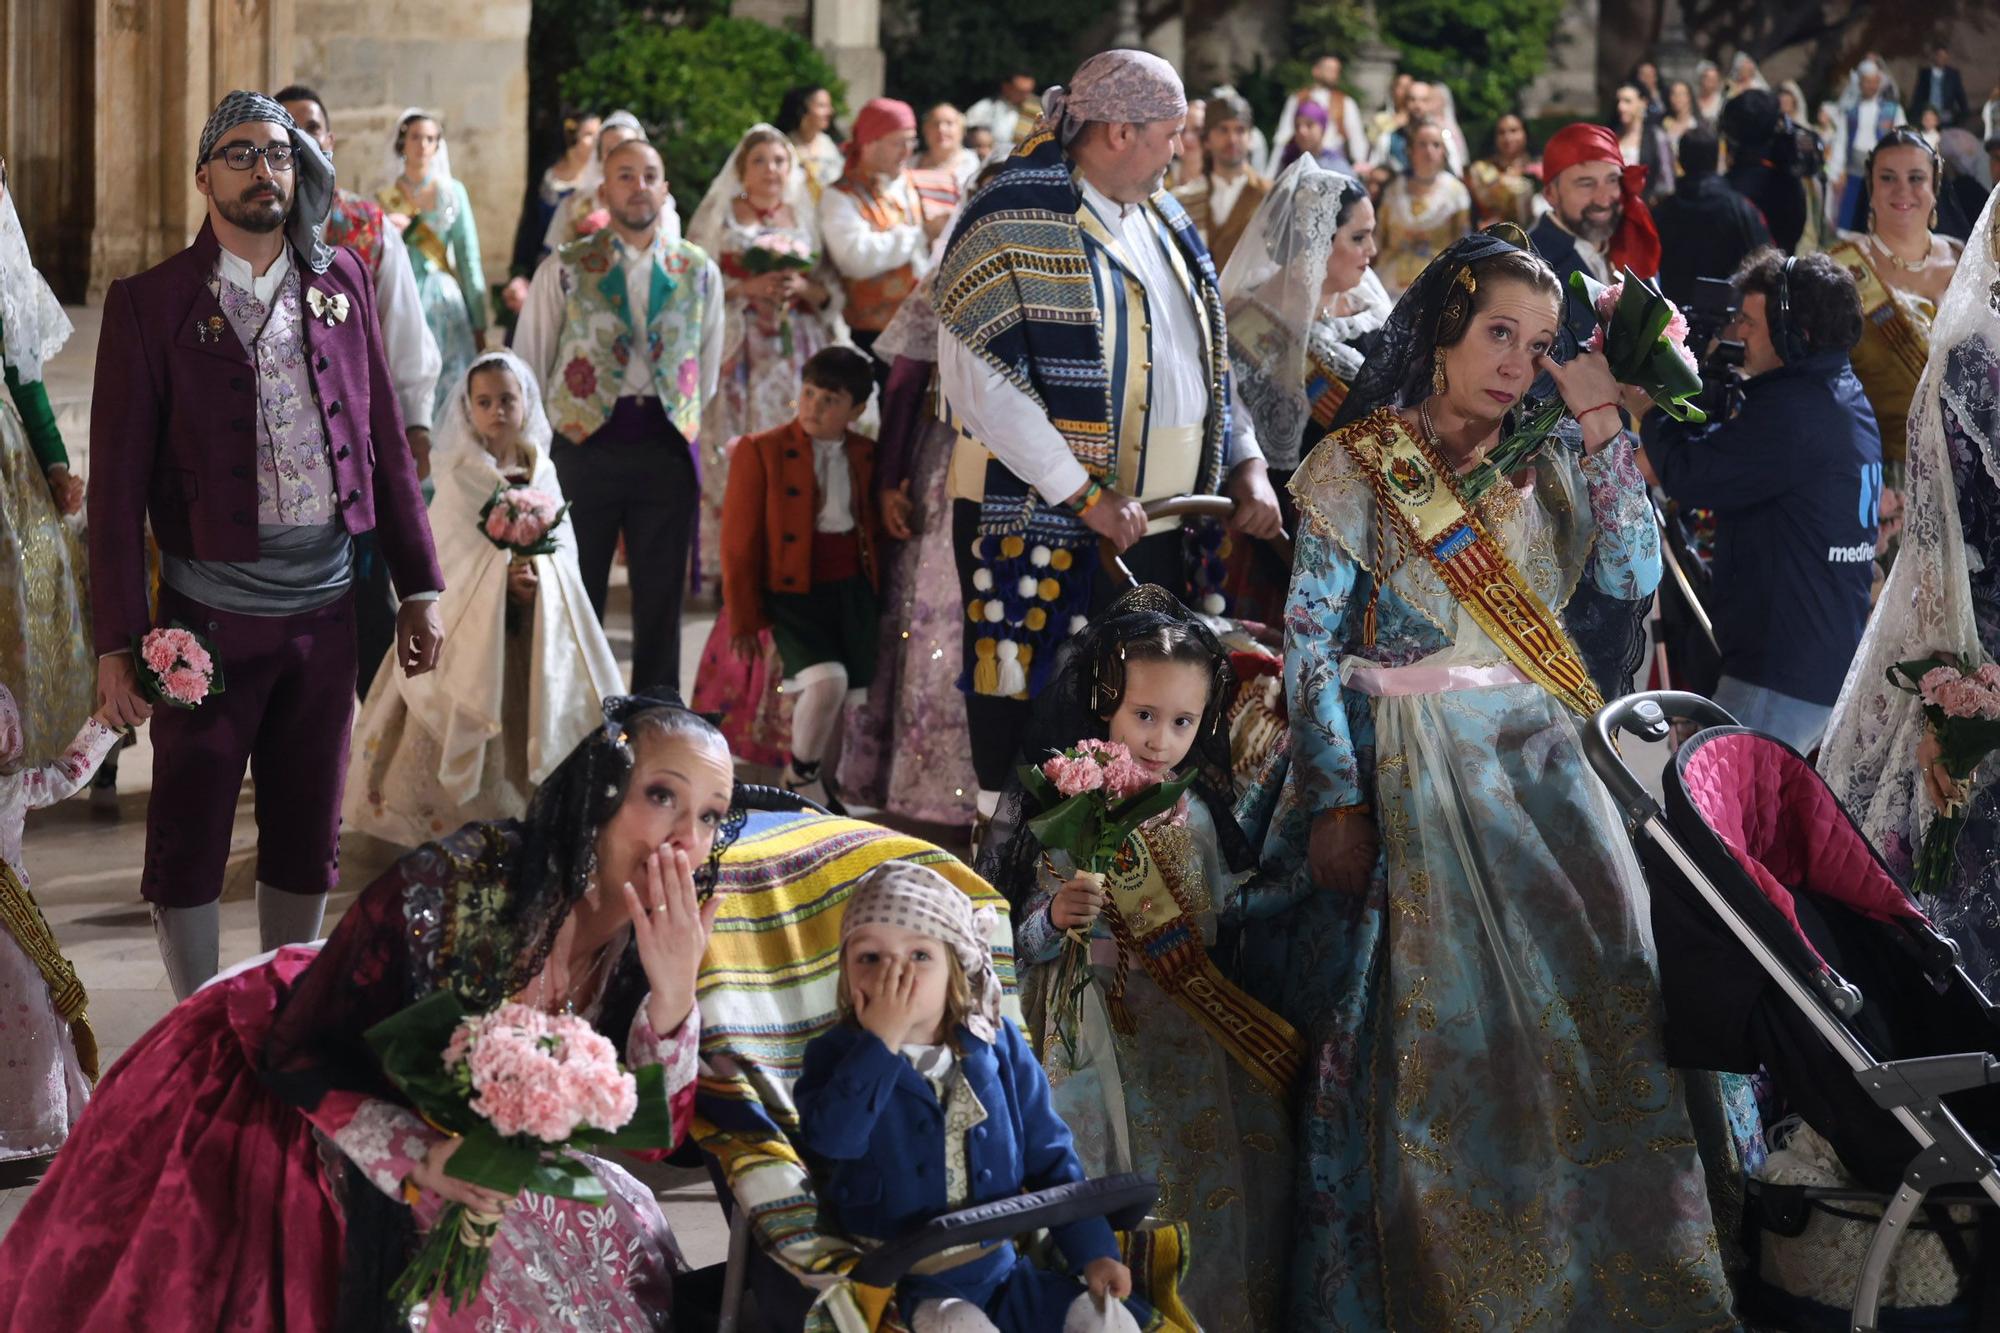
(1795, 480)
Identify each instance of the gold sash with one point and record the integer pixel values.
(1415, 487)
(24, 921)
(420, 235)
(1152, 921)
(1889, 359)
(1325, 390)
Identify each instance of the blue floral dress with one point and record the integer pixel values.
(1490, 1135)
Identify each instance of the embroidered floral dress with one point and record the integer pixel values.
(1491, 1138)
(443, 242)
(1412, 232)
(1167, 1100)
(196, 1193)
(47, 1054)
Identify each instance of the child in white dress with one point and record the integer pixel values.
(48, 1057)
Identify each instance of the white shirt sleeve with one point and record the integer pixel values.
(414, 360)
(538, 332)
(1008, 422)
(713, 320)
(857, 249)
(1243, 444)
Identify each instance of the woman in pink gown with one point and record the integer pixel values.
(246, 1165)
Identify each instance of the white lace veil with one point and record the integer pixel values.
(1869, 757)
(453, 438)
(1271, 291)
(712, 215)
(31, 318)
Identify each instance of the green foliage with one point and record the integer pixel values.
(1320, 28)
(1487, 51)
(696, 89)
(955, 51)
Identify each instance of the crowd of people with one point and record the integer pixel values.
(922, 404)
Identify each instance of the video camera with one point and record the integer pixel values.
(1712, 310)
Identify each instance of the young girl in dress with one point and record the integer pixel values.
(920, 1011)
(1161, 1065)
(46, 1045)
(525, 667)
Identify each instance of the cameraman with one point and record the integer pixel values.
(1795, 480)
(1766, 165)
(1706, 228)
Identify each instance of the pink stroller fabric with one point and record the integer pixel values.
(1785, 828)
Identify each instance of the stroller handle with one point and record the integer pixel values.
(1648, 715)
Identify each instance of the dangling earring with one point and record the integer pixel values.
(1437, 375)
(1933, 217)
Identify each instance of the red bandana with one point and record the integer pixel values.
(1636, 243)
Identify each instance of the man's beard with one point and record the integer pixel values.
(640, 215)
(1597, 232)
(265, 213)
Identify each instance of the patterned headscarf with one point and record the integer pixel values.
(1119, 87)
(312, 170)
(917, 898)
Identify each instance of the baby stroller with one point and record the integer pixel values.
(1786, 945)
(766, 989)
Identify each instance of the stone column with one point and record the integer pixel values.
(467, 62)
(849, 34)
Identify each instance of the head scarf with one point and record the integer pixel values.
(1636, 243)
(1273, 291)
(917, 898)
(711, 216)
(880, 116)
(1312, 111)
(1120, 87)
(312, 170)
(31, 319)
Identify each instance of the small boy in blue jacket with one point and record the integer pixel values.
(924, 1100)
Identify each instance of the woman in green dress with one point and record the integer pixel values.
(429, 206)
(45, 656)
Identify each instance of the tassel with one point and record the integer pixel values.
(986, 677)
(1010, 677)
(86, 1046)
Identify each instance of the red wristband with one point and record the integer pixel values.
(1599, 408)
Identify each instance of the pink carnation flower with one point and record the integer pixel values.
(1073, 774)
(159, 654)
(1989, 675)
(496, 523)
(542, 1076)
(184, 685)
(1934, 680)
(1607, 300)
(1122, 777)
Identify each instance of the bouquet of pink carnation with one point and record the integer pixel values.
(520, 1087)
(1644, 337)
(521, 520)
(1961, 704)
(1093, 796)
(596, 220)
(777, 252)
(177, 667)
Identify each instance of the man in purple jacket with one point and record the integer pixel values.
(243, 403)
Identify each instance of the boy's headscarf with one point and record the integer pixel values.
(312, 170)
(917, 898)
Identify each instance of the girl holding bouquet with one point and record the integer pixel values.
(1158, 1063)
(525, 668)
(1943, 596)
(254, 1126)
(759, 224)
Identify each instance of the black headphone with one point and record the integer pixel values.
(1784, 338)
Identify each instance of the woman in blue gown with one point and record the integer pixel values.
(1490, 1135)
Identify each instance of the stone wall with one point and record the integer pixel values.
(468, 62)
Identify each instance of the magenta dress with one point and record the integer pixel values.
(210, 1183)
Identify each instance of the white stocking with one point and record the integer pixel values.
(951, 1316)
(816, 708)
(190, 939)
(287, 918)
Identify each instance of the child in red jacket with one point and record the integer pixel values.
(800, 534)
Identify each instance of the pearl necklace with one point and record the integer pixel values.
(1875, 239)
(1436, 442)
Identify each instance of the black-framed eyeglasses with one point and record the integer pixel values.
(243, 156)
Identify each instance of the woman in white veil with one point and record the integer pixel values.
(45, 650)
(1301, 300)
(429, 207)
(773, 324)
(1943, 595)
(525, 667)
